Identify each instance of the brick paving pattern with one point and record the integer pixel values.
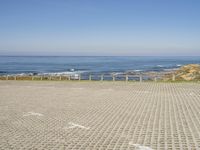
(99, 115)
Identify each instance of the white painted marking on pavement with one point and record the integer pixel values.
(74, 125)
(32, 114)
(141, 91)
(192, 93)
(77, 88)
(140, 147)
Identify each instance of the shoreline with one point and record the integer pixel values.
(188, 72)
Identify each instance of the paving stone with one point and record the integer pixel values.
(99, 115)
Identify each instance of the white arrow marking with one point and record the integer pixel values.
(32, 114)
(192, 93)
(140, 147)
(74, 125)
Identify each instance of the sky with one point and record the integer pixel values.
(100, 27)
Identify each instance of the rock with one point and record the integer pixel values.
(189, 72)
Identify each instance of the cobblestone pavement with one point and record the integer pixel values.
(99, 115)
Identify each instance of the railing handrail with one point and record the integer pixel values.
(97, 77)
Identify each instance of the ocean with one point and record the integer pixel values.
(64, 65)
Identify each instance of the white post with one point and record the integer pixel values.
(140, 78)
(60, 78)
(79, 77)
(126, 78)
(102, 77)
(7, 77)
(113, 77)
(155, 79)
(90, 77)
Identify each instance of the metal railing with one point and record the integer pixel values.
(91, 77)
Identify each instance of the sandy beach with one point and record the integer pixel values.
(99, 115)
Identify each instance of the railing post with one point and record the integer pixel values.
(102, 77)
(6, 77)
(41, 78)
(126, 78)
(140, 78)
(79, 77)
(113, 77)
(155, 79)
(90, 77)
(32, 78)
(69, 77)
(60, 78)
(173, 77)
(15, 78)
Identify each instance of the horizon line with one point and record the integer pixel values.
(99, 56)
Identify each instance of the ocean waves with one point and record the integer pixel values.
(65, 66)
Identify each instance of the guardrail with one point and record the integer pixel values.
(91, 77)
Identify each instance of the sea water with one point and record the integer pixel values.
(64, 65)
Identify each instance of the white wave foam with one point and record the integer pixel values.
(72, 70)
(74, 73)
(23, 74)
(138, 70)
(117, 73)
(178, 65)
(159, 65)
(20, 74)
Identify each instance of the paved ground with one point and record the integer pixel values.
(99, 115)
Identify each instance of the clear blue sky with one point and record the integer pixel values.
(100, 27)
